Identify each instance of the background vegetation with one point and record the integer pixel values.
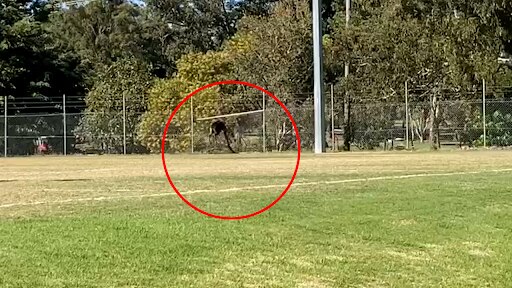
(157, 51)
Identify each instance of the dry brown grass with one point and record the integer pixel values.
(47, 179)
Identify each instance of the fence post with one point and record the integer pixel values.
(124, 124)
(333, 140)
(406, 116)
(483, 108)
(264, 126)
(5, 125)
(64, 123)
(192, 124)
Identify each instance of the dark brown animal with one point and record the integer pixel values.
(218, 126)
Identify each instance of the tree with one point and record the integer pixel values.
(194, 70)
(202, 25)
(280, 59)
(280, 55)
(34, 73)
(30, 65)
(102, 123)
(102, 32)
(450, 51)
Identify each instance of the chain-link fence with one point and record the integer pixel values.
(451, 119)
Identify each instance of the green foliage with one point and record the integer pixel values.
(369, 132)
(102, 124)
(194, 70)
(280, 53)
(163, 96)
(46, 52)
(34, 73)
(493, 16)
(202, 25)
(101, 32)
(450, 52)
(270, 51)
(503, 78)
(30, 64)
(499, 130)
(401, 42)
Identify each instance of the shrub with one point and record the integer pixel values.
(499, 130)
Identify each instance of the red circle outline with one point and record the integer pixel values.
(227, 82)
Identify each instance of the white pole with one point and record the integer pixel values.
(406, 116)
(124, 124)
(347, 19)
(192, 124)
(346, 101)
(333, 141)
(64, 122)
(318, 79)
(263, 126)
(5, 126)
(483, 103)
(347, 12)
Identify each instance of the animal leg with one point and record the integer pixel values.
(227, 141)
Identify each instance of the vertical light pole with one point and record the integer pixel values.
(346, 100)
(347, 19)
(318, 79)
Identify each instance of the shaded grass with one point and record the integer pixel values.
(449, 231)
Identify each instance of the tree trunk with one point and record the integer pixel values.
(438, 139)
(276, 142)
(281, 137)
(433, 122)
(416, 130)
(419, 125)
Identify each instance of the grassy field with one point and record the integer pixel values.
(351, 220)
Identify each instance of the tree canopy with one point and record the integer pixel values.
(166, 48)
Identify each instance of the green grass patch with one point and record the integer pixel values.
(444, 231)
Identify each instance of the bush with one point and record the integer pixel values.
(163, 99)
(369, 131)
(102, 124)
(499, 130)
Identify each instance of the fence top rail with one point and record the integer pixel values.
(229, 115)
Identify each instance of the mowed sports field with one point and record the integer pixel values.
(390, 219)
